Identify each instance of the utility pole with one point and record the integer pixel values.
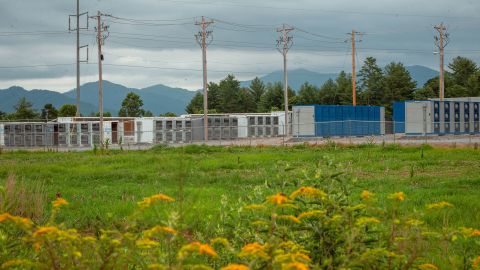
(441, 41)
(284, 43)
(78, 48)
(204, 38)
(354, 67)
(102, 34)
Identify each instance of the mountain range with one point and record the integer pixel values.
(160, 98)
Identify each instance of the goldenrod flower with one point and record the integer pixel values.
(289, 217)
(476, 263)
(309, 192)
(45, 230)
(202, 249)
(311, 214)
(234, 266)
(159, 229)
(367, 195)
(220, 240)
(14, 263)
(295, 266)
(20, 221)
(255, 206)
(366, 220)
(146, 243)
(5, 217)
(254, 250)
(414, 222)
(147, 202)
(427, 266)
(475, 233)
(439, 205)
(399, 196)
(278, 199)
(59, 202)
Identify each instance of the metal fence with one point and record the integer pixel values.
(56, 136)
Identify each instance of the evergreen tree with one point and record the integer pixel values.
(308, 94)
(371, 82)
(246, 101)
(229, 95)
(398, 85)
(49, 112)
(462, 69)
(329, 94)
(196, 104)
(24, 110)
(344, 88)
(273, 97)
(131, 106)
(257, 89)
(67, 110)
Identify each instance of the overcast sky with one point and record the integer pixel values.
(161, 48)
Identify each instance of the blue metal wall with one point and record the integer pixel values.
(338, 120)
(399, 116)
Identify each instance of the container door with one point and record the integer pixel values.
(304, 121)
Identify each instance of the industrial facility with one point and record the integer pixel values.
(435, 117)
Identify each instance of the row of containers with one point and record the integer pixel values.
(338, 120)
(435, 117)
(85, 131)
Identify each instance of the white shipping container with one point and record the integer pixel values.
(2, 131)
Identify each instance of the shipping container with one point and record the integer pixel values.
(337, 120)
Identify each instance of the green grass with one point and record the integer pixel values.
(103, 189)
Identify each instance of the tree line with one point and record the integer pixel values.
(375, 87)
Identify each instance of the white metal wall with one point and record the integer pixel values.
(418, 117)
(2, 140)
(303, 121)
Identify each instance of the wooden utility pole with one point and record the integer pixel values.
(441, 41)
(284, 43)
(78, 48)
(202, 39)
(102, 34)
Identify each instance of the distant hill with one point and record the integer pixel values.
(297, 77)
(157, 99)
(9, 98)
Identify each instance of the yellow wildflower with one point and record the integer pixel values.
(427, 266)
(311, 214)
(309, 192)
(202, 249)
(399, 196)
(259, 223)
(255, 207)
(289, 217)
(253, 250)
(14, 263)
(159, 229)
(366, 220)
(146, 243)
(5, 217)
(439, 205)
(295, 266)
(367, 195)
(414, 222)
(221, 241)
(476, 263)
(234, 266)
(20, 221)
(475, 233)
(45, 230)
(59, 202)
(278, 199)
(147, 202)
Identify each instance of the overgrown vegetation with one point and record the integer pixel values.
(326, 207)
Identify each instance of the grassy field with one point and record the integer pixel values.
(103, 189)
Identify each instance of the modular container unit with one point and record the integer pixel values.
(173, 130)
(2, 141)
(338, 120)
(451, 116)
(28, 134)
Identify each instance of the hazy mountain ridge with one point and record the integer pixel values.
(160, 98)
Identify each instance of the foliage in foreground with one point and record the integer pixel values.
(308, 224)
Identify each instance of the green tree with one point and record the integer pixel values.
(398, 86)
(308, 94)
(257, 89)
(214, 97)
(371, 82)
(168, 114)
(196, 104)
(49, 112)
(473, 85)
(273, 99)
(329, 93)
(229, 95)
(462, 69)
(24, 110)
(131, 106)
(105, 114)
(344, 88)
(246, 102)
(67, 110)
